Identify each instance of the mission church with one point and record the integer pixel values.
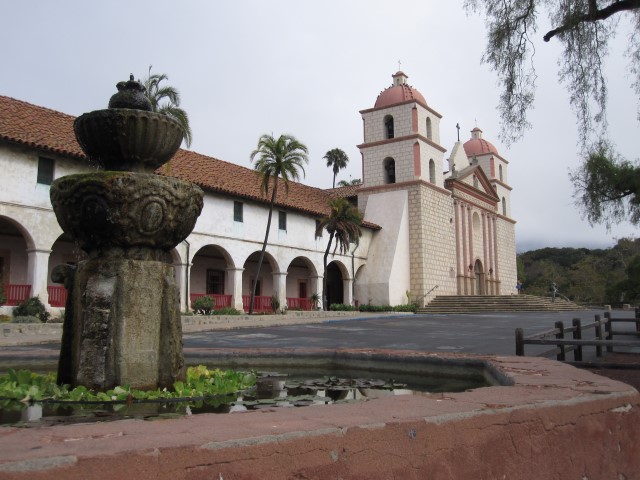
(432, 225)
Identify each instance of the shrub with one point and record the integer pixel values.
(204, 305)
(227, 311)
(5, 318)
(376, 308)
(3, 297)
(411, 307)
(275, 303)
(32, 307)
(26, 319)
(341, 307)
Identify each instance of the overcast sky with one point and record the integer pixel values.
(245, 68)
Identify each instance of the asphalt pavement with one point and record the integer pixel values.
(489, 333)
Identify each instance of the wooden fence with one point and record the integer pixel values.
(603, 333)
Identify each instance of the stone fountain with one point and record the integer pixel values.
(122, 321)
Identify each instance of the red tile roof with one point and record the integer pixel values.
(51, 131)
(38, 127)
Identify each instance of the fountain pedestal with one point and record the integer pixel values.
(122, 323)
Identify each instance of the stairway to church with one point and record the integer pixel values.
(497, 303)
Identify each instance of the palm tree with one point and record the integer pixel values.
(337, 159)
(158, 94)
(276, 157)
(343, 223)
(345, 183)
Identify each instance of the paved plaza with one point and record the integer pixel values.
(472, 333)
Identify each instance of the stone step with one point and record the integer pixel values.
(496, 303)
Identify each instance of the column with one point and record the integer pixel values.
(37, 271)
(472, 282)
(490, 243)
(181, 273)
(496, 272)
(347, 291)
(464, 250)
(280, 285)
(234, 286)
(459, 271)
(487, 288)
(315, 286)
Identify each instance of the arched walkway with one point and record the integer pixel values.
(16, 278)
(210, 276)
(271, 282)
(337, 276)
(302, 282)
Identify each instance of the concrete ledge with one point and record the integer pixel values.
(556, 421)
(28, 333)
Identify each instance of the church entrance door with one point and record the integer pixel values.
(479, 278)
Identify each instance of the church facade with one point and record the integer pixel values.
(433, 225)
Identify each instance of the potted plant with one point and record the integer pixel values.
(275, 303)
(315, 301)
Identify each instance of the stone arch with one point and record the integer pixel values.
(389, 167)
(266, 283)
(208, 275)
(337, 273)
(15, 243)
(302, 282)
(388, 127)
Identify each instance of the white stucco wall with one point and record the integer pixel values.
(386, 279)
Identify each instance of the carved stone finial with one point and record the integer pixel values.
(131, 94)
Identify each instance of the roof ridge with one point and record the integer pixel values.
(38, 107)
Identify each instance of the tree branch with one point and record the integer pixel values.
(594, 15)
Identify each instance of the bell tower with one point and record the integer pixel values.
(401, 138)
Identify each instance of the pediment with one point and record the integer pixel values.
(463, 181)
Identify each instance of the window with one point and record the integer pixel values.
(388, 126)
(390, 170)
(282, 220)
(504, 206)
(302, 289)
(238, 211)
(215, 282)
(500, 172)
(475, 181)
(318, 230)
(429, 130)
(432, 171)
(45, 171)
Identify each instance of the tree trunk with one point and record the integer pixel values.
(264, 246)
(325, 305)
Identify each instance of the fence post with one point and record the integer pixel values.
(560, 335)
(577, 335)
(607, 329)
(598, 335)
(519, 342)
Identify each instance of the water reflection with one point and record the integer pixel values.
(272, 390)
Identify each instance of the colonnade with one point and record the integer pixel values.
(477, 272)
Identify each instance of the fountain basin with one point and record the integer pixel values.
(124, 212)
(553, 421)
(128, 139)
